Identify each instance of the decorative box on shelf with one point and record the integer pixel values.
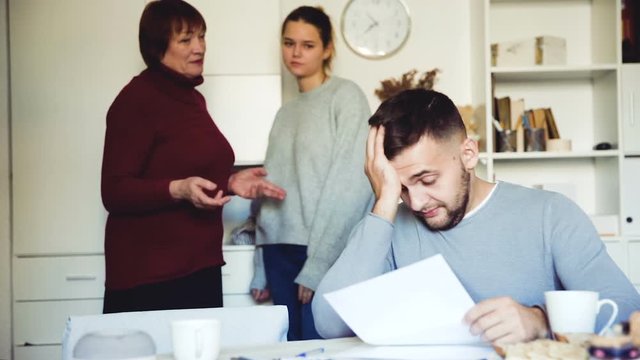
(540, 50)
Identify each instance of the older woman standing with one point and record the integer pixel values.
(165, 172)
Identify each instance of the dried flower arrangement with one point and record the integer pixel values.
(390, 87)
(473, 117)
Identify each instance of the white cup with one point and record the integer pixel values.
(573, 311)
(197, 339)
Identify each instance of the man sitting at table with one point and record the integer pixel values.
(507, 244)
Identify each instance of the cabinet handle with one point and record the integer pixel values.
(80, 277)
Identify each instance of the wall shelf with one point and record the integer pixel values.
(564, 72)
(537, 155)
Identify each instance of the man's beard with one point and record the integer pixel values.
(456, 214)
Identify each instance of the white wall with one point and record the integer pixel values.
(440, 37)
(5, 247)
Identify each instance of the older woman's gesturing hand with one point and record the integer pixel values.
(382, 176)
(251, 184)
(192, 190)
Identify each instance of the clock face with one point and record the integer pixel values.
(375, 28)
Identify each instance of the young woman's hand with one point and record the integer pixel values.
(305, 294)
(260, 295)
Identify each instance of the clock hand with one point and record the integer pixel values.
(375, 22)
(370, 27)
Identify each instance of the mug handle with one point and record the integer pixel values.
(612, 318)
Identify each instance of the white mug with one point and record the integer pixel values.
(575, 311)
(197, 339)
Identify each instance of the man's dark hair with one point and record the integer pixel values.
(159, 21)
(414, 113)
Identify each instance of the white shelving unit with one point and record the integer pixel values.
(588, 103)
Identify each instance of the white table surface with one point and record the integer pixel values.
(289, 350)
(284, 349)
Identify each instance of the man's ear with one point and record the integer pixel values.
(469, 153)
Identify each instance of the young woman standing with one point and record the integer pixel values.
(316, 153)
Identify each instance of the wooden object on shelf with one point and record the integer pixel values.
(558, 145)
(539, 50)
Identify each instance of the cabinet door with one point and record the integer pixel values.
(238, 271)
(63, 277)
(618, 252)
(634, 265)
(630, 196)
(239, 301)
(630, 86)
(243, 107)
(43, 322)
(47, 352)
(243, 37)
(69, 60)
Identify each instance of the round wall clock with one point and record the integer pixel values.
(375, 28)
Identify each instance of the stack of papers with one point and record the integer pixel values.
(420, 304)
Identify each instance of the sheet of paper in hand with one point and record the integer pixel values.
(420, 304)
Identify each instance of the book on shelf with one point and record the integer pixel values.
(527, 119)
(517, 109)
(539, 118)
(504, 112)
(520, 145)
(552, 128)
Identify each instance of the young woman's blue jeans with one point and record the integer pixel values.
(282, 263)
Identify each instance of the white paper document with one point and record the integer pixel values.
(421, 352)
(420, 304)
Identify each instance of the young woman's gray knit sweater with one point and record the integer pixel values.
(316, 153)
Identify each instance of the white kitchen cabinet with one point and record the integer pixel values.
(59, 102)
(69, 60)
(630, 196)
(58, 277)
(242, 72)
(243, 107)
(625, 251)
(43, 322)
(47, 290)
(630, 102)
(634, 264)
(617, 248)
(238, 271)
(48, 352)
(243, 37)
